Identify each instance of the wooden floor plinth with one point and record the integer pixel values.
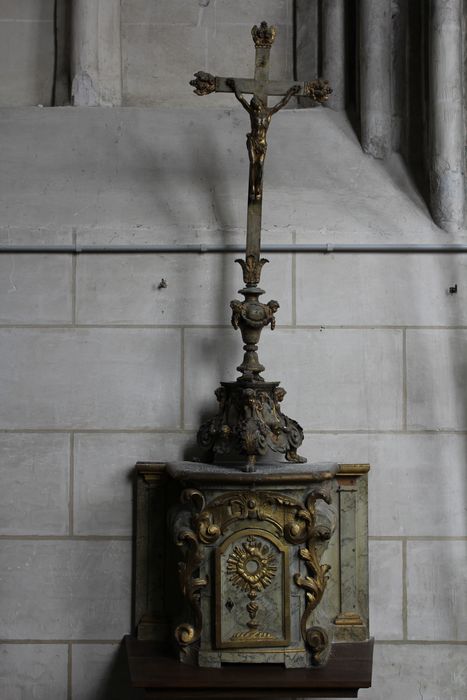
(163, 677)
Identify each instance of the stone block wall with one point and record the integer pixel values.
(26, 52)
(101, 367)
(164, 42)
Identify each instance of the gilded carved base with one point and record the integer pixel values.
(249, 424)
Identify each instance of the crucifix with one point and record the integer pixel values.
(260, 117)
(250, 421)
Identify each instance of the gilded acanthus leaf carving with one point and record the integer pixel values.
(251, 268)
(314, 583)
(188, 633)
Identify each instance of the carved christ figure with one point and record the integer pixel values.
(260, 118)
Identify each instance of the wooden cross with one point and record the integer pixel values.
(260, 117)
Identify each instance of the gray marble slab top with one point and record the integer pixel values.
(265, 473)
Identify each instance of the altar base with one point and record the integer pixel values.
(163, 677)
(308, 526)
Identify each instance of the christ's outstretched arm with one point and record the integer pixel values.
(292, 91)
(232, 84)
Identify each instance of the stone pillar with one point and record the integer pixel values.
(333, 37)
(96, 63)
(375, 76)
(352, 619)
(306, 44)
(446, 114)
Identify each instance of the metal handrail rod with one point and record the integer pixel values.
(202, 248)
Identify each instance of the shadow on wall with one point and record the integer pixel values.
(437, 382)
(458, 369)
(438, 405)
(412, 91)
(200, 171)
(403, 115)
(115, 684)
(208, 170)
(181, 183)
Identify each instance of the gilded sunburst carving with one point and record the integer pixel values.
(251, 566)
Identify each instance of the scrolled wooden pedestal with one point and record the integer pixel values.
(163, 677)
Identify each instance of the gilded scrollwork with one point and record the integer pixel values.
(206, 530)
(318, 641)
(292, 519)
(188, 633)
(314, 582)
